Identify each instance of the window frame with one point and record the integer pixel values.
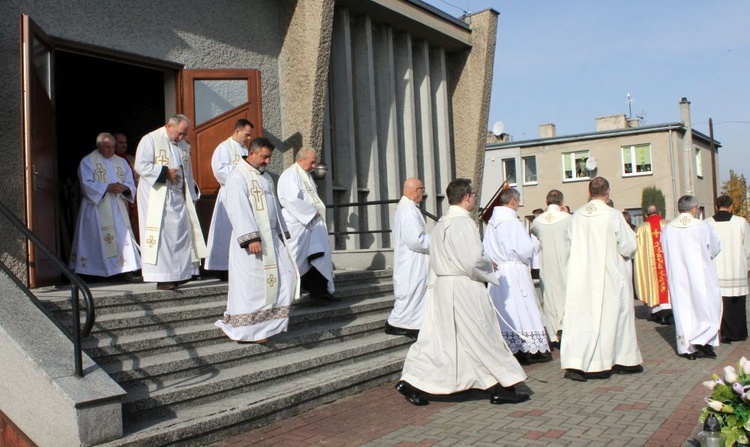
(515, 168)
(633, 161)
(523, 171)
(698, 162)
(575, 178)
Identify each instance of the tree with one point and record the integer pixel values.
(653, 196)
(736, 188)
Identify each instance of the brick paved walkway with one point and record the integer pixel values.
(659, 407)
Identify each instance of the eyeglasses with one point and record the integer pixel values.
(419, 187)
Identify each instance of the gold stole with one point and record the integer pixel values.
(157, 199)
(257, 198)
(106, 219)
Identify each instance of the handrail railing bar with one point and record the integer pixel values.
(76, 282)
(378, 202)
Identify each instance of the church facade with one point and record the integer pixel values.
(384, 89)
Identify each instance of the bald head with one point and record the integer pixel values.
(651, 210)
(413, 189)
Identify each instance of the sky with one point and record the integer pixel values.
(567, 63)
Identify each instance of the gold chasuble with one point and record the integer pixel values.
(650, 271)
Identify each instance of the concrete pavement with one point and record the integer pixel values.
(659, 407)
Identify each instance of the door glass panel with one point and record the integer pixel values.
(42, 65)
(214, 97)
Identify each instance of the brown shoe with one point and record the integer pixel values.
(166, 285)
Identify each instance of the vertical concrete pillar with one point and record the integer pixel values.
(471, 74)
(342, 122)
(442, 123)
(424, 122)
(388, 124)
(365, 109)
(304, 62)
(407, 141)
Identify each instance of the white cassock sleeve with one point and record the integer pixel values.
(746, 241)
(464, 240)
(144, 165)
(93, 191)
(240, 213)
(221, 163)
(292, 197)
(714, 243)
(411, 231)
(627, 244)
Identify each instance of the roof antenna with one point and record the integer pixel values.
(630, 103)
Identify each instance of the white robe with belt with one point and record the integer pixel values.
(309, 234)
(411, 264)
(174, 258)
(689, 245)
(220, 231)
(551, 228)
(599, 319)
(508, 245)
(248, 316)
(87, 252)
(460, 345)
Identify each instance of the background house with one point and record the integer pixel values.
(671, 156)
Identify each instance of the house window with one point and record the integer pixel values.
(509, 170)
(574, 165)
(636, 160)
(529, 170)
(698, 163)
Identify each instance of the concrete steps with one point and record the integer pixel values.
(189, 384)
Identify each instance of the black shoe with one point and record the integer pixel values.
(393, 330)
(576, 375)
(692, 356)
(506, 395)
(622, 369)
(706, 350)
(222, 275)
(413, 395)
(166, 285)
(132, 277)
(327, 296)
(723, 339)
(599, 375)
(522, 357)
(540, 357)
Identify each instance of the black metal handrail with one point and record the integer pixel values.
(335, 206)
(77, 285)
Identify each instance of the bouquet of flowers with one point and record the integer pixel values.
(730, 402)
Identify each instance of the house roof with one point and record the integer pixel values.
(678, 126)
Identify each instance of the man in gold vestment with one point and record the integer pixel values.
(650, 271)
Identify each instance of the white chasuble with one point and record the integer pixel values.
(599, 318)
(171, 239)
(103, 244)
(689, 245)
(460, 346)
(551, 228)
(304, 213)
(251, 314)
(411, 264)
(508, 245)
(225, 158)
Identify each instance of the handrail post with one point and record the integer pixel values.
(77, 330)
